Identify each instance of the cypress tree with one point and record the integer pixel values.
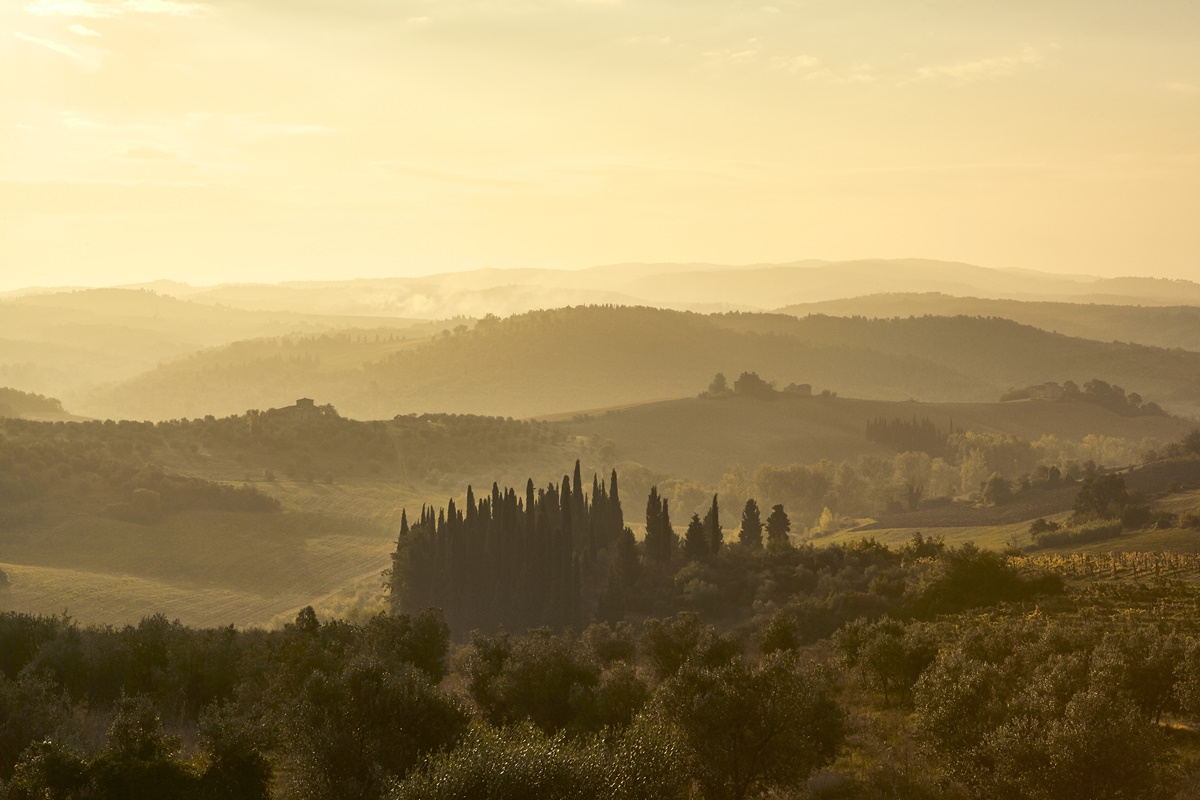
(750, 535)
(627, 564)
(695, 541)
(712, 526)
(577, 504)
(667, 541)
(502, 560)
(616, 518)
(778, 526)
(654, 531)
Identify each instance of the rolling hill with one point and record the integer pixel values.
(1001, 352)
(700, 438)
(1158, 326)
(562, 360)
(238, 520)
(528, 365)
(697, 287)
(67, 344)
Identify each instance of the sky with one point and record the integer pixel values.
(264, 140)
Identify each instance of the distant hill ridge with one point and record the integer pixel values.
(703, 437)
(691, 286)
(1172, 326)
(546, 362)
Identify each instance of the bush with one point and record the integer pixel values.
(512, 763)
(1097, 531)
(1013, 711)
(520, 762)
(756, 729)
(1040, 527)
(967, 577)
(1136, 517)
(353, 729)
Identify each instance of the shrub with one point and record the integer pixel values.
(1082, 534)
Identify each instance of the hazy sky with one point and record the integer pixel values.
(276, 139)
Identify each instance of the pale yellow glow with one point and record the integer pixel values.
(237, 140)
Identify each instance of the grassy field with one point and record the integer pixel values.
(209, 568)
(999, 536)
(702, 438)
(326, 548)
(992, 537)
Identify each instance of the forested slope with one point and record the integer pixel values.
(1158, 326)
(567, 359)
(536, 363)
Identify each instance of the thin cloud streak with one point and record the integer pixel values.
(983, 68)
(108, 9)
(88, 59)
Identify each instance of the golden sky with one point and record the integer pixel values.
(265, 140)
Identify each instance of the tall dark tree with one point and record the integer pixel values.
(750, 535)
(658, 546)
(712, 526)
(668, 533)
(695, 541)
(778, 527)
(616, 517)
(626, 563)
(502, 562)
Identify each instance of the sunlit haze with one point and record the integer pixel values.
(248, 140)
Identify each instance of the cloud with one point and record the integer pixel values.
(981, 69)
(435, 175)
(82, 30)
(149, 153)
(139, 198)
(107, 9)
(254, 129)
(1183, 87)
(88, 59)
(796, 65)
(727, 55)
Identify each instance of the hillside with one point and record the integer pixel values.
(532, 364)
(14, 403)
(701, 438)
(241, 519)
(1002, 352)
(67, 344)
(1158, 326)
(597, 356)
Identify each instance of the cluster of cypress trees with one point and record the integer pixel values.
(510, 561)
(703, 538)
(904, 436)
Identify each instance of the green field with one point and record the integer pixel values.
(998, 537)
(701, 438)
(206, 567)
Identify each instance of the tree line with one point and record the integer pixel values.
(1027, 706)
(561, 556)
(504, 560)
